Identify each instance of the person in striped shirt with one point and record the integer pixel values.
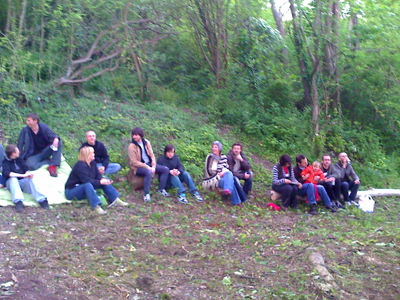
(284, 182)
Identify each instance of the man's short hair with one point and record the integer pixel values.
(237, 144)
(326, 154)
(33, 116)
(284, 159)
(299, 158)
(10, 149)
(138, 131)
(168, 148)
(89, 131)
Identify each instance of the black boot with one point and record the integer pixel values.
(331, 209)
(312, 210)
(339, 205)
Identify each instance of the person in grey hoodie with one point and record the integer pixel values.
(348, 178)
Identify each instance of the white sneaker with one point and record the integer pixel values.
(118, 202)
(197, 196)
(147, 198)
(354, 203)
(164, 193)
(182, 199)
(99, 210)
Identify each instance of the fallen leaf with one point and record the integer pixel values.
(227, 280)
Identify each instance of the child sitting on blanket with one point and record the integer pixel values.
(313, 170)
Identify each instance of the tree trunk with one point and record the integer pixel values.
(331, 53)
(300, 55)
(18, 43)
(336, 12)
(353, 41)
(379, 192)
(210, 14)
(281, 29)
(9, 14)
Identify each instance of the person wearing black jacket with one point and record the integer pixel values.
(2, 155)
(240, 167)
(19, 179)
(101, 156)
(85, 178)
(178, 175)
(38, 143)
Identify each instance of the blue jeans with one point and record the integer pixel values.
(111, 169)
(248, 183)
(26, 185)
(34, 162)
(324, 196)
(176, 182)
(240, 190)
(3, 180)
(227, 183)
(346, 186)
(163, 171)
(309, 190)
(87, 191)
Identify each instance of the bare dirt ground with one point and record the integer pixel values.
(210, 250)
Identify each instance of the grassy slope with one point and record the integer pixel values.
(201, 251)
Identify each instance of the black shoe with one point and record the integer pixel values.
(331, 209)
(44, 204)
(312, 210)
(283, 207)
(339, 205)
(19, 206)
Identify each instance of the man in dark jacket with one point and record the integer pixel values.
(240, 167)
(348, 179)
(101, 158)
(178, 175)
(38, 143)
(19, 179)
(331, 183)
(2, 178)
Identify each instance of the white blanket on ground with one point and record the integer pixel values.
(51, 187)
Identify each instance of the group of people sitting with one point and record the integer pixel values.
(39, 145)
(317, 181)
